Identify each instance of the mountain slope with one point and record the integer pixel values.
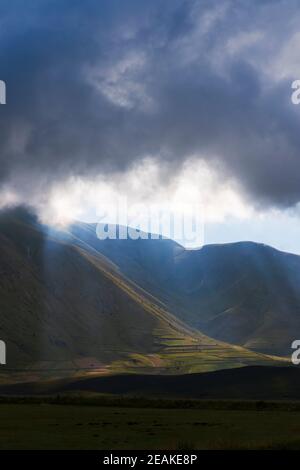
(243, 293)
(65, 308)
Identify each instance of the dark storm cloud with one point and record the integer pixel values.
(94, 86)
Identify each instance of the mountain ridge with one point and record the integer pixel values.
(242, 293)
(67, 310)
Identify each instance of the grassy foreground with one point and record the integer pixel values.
(216, 425)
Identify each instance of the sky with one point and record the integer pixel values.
(163, 102)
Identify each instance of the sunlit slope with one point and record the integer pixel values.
(183, 347)
(66, 310)
(242, 293)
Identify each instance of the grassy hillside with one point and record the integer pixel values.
(65, 309)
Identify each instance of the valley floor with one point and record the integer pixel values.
(51, 426)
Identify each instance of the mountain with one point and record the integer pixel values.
(242, 293)
(66, 309)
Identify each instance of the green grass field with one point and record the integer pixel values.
(52, 426)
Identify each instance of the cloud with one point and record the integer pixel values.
(86, 199)
(94, 88)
